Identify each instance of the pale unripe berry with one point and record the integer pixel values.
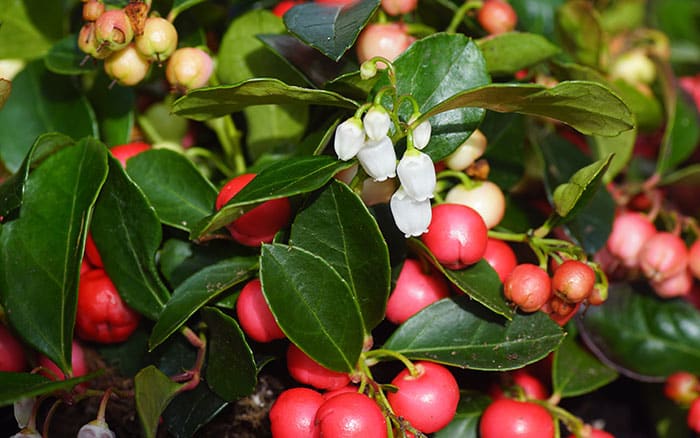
(88, 44)
(387, 40)
(189, 68)
(677, 285)
(468, 152)
(127, 66)
(159, 39)
(93, 9)
(113, 28)
(486, 198)
(634, 67)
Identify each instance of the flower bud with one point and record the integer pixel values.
(23, 411)
(189, 68)
(378, 159)
(114, 30)
(417, 175)
(349, 138)
(421, 133)
(377, 122)
(411, 217)
(127, 66)
(96, 429)
(158, 40)
(368, 69)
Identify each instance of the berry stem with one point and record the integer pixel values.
(460, 13)
(379, 353)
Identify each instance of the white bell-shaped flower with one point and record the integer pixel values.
(377, 122)
(96, 429)
(349, 138)
(23, 411)
(378, 159)
(417, 175)
(411, 217)
(421, 133)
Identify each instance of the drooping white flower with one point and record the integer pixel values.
(421, 133)
(378, 158)
(417, 175)
(349, 138)
(377, 122)
(23, 411)
(27, 433)
(411, 217)
(96, 429)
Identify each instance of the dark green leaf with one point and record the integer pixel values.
(329, 28)
(506, 138)
(573, 195)
(579, 30)
(621, 146)
(681, 136)
(647, 109)
(154, 391)
(130, 356)
(180, 6)
(114, 107)
(16, 386)
(537, 16)
(509, 52)
(479, 281)
(29, 27)
(174, 187)
(65, 57)
(457, 331)
(212, 102)
(231, 370)
(41, 251)
(191, 410)
(127, 234)
(41, 102)
(197, 291)
(466, 421)
(282, 179)
(352, 85)
(338, 228)
(643, 336)
(313, 305)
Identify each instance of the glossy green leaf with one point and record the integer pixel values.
(465, 423)
(338, 228)
(573, 195)
(457, 331)
(5, 90)
(479, 281)
(180, 6)
(575, 371)
(506, 139)
(174, 187)
(16, 386)
(681, 136)
(127, 234)
(352, 85)
(41, 251)
(643, 336)
(306, 296)
(579, 30)
(282, 179)
(65, 57)
(212, 102)
(231, 370)
(622, 146)
(509, 52)
(329, 28)
(537, 16)
(191, 410)
(197, 291)
(114, 107)
(29, 27)
(647, 109)
(153, 392)
(432, 71)
(41, 102)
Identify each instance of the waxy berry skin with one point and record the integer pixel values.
(123, 152)
(531, 386)
(78, 364)
(158, 40)
(630, 231)
(573, 280)
(92, 253)
(189, 68)
(305, 370)
(663, 256)
(501, 257)
(486, 198)
(414, 291)
(387, 40)
(528, 286)
(694, 416)
(456, 236)
(12, 357)
(515, 419)
(254, 314)
(292, 414)
(399, 7)
(694, 259)
(350, 415)
(260, 224)
(429, 400)
(682, 387)
(127, 66)
(497, 16)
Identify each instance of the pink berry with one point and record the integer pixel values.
(573, 280)
(158, 40)
(282, 7)
(113, 29)
(88, 44)
(123, 152)
(530, 385)
(333, 392)
(497, 16)
(254, 314)
(630, 231)
(292, 414)
(663, 256)
(501, 257)
(387, 40)
(528, 286)
(93, 9)
(457, 235)
(428, 400)
(414, 291)
(516, 419)
(78, 364)
(592, 432)
(12, 357)
(189, 68)
(127, 66)
(309, 372)
(399, 7)
(350, 415)
(679, 285)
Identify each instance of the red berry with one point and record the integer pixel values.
(78, 364)
(682, 387)
(560, 311)
(516, 419)
(123, 152)
(336, 2)
(332, 393)
(12, 357)
(414, 291)
(387, 40)
(663, 256)
(260, 224)
(694, 416)
(528, 286)
(292, 414)
(694, 259)
(531, 386)
(254, 314)
(91, 252)
(399, 7)
(429, 400)
(592, 432)
(573, 280)
(457, 235)
(630, 230)
(102, 315)
(501, 257)
(350, 415)
(497, 16)
(309, 372)
(282, 7)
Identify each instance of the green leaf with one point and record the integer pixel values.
(643, 336)
(432, 71)
(191, 410)
(16, 386)
(352, 85)
(174, 187)
(509, 52)
(479, 281)
(576, 371)
(41, 102)
(282, 179)
(212, 102)
(622, 146)
(127, 234)
(114, 107)
(338, 228)
(153, 392)
(330, 29)
(456, 331)
(231, 370)
(588, 107)
(29, 27)
(647, 109)
(681, 136)
(465, 423)
(313, 305)
(41, 251)
(537, 16)
(506, 139)
(572, 196)
(66, 58)
(180, 6)
(579, 30)
(5, 89)
(197, 291)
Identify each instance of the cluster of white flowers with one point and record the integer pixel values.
(368, 140)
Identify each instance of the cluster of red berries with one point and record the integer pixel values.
(683, 388)
(129, 41)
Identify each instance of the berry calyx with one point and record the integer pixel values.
(113, 29)
(501, 257)
(456, 236)
(516, 419)
(350, 415)
(573, 281)
(428, 400)
(292, 414)
(530, 385)
(189, 68)
(414, 291)
(305, 370)
(387, 40)
(528, 286)
(254, 314)
(497, 16)
(123, 152)
(12, 357)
